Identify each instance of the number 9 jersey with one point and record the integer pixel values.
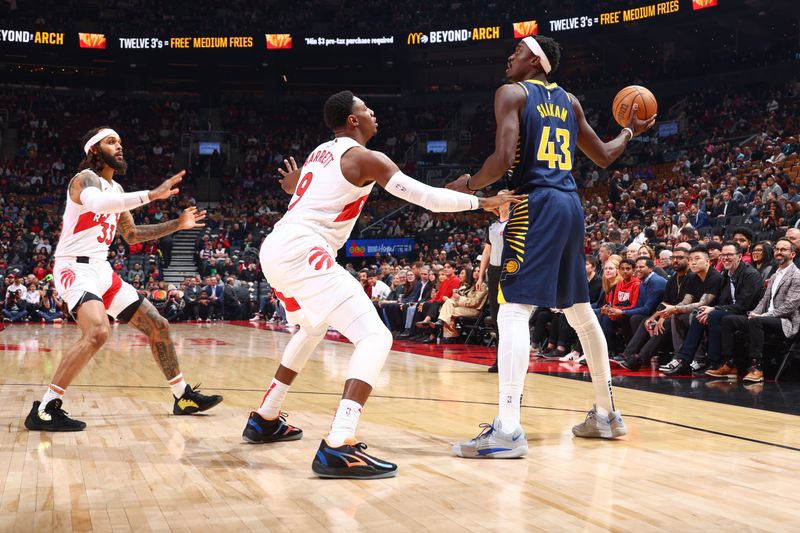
(548, 135)
(84, 233)
(324, 202)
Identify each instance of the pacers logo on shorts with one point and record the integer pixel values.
(67, 278)
(511, 267)
(320, 258)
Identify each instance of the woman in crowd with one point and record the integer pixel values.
(467, 301)
(763, 259)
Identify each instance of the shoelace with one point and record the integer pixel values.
(194, 390)
(57, 411)
(487, 429)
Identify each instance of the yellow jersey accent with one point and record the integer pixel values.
(501, 299)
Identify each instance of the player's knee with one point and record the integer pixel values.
(97, 335)
(382, 339)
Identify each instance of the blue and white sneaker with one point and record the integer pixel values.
(349, 461)
(493, 443)
(259, 430)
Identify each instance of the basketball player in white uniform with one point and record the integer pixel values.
(96, 207)
(298, 260)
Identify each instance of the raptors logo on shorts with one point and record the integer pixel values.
(67, 277)
(320, 258)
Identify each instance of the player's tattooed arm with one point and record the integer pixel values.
(85, 178)
(147, 320)
(190, 218)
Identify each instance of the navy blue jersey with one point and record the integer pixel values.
(548, 135)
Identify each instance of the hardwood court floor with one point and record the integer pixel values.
(686, 464)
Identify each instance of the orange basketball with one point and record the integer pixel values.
(633, 94)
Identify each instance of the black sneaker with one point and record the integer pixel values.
(53, 418)
(349, 461)
(193, 402)
(493, 369)
(632, 362)
(553, 354)
(617, 359)
(698, 368)
(676, 367)
(259, 429)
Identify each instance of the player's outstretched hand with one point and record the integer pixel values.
(639, 126)
(168, 188)
(190, 218)
(290, 176)
(460, 184)
(502, 198)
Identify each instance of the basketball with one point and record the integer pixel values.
(633, 94)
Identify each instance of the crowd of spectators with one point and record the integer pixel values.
(733, 177)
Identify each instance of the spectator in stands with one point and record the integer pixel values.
(33, 299)
(702, 289)
(378, 290)
(741, 290)
(793, 234)
(50, 310)
(14, 309)
(467, 301)
(421, 292)
(744, 237)
(134, 272)
(714, 255)
(17, 286)
(655, 330)
(763, 260)
(651, 293)
(216, 296)
(776, 314)
(191, 295)
(624, 296)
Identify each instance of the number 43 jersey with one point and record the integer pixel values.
(324, 201)
(84, 233)
(548, 135)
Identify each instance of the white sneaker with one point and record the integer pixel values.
(493, 443)
(581, 359)
(571, 356)
(669, 367)
(256, 318)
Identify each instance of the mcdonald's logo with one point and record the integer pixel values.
(417, 38)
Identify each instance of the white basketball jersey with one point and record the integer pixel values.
(84, 233)
(324, 200)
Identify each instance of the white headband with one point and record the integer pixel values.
(97, 137)
(533, 44)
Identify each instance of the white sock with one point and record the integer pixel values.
(53, 392)
(585, 323)
(177, 385)
(344, 423)
(509, 402)
(513, 357)
(273, 399)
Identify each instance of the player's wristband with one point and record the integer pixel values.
(629, 131)
(470, 189)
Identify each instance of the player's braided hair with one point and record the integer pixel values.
(551, 49)
(92, 160)
(337, 108)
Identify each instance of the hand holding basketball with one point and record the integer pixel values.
(635, 107)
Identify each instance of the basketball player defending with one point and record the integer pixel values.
(96, 207)
(298, 260)
(538, 126)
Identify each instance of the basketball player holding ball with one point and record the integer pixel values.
(539, 125)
